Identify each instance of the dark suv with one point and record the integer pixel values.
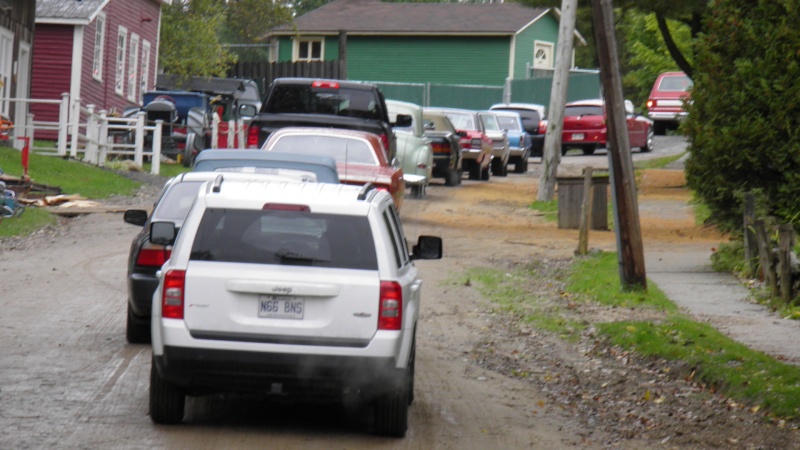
(305, 102)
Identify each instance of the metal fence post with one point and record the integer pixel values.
(215, 131)
(63, 124)
(102, 138)
(507, 91)
(90, 149)
(231, 133)
(75, 118)
(138, 157)
(240, 134)
(155, 162)
(29, 127)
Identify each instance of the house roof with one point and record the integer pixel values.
(72, 12)
(376, 17)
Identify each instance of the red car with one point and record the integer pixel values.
(585, 127)
(665, 104)
(360, 156)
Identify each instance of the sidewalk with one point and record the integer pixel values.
(684, 274)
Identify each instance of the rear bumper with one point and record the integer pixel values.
(211, 370)
(140, 293)
(668, 116)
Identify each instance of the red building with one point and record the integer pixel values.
(104, 52)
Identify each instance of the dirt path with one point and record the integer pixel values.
(69, 380)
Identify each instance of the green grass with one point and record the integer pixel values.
(710, 358)
(657, 163)
(167, 170)
(31, 220)
(72, 177)
(548, 209)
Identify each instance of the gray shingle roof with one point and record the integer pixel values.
(372, 16)
(68, 10)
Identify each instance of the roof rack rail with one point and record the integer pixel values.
(365, 190)
(217, 184)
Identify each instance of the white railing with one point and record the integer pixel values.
(25, 125)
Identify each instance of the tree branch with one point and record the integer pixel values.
(672, 48)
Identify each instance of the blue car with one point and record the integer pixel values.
(519, 140)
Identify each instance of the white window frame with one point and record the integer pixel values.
(310, 42)
(549, 47)
(133, 67)
(99, 46)
(145, 77)
(122, 43)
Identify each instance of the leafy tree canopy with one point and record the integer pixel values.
(189, 43)
(744, 120)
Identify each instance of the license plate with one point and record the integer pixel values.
(577, 136)
(281, 307)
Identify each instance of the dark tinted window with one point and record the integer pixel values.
(583, 110)
(279, 237)
(304, 99)
(530, 118)
(175, 204)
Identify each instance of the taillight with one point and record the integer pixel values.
(172, 296)
(325, 84)
(440, 147)
(390, 311)
(385, 140)
(382, 187)
(152, 255)
(252, 136)
(542, 127)
(476, 143)
(651, 103)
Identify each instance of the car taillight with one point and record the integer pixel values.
(385, 140)
(390, 311)
(172, 296)
(542, 127)
(152, 255)
(476, 143)
(252, 136)
(651, 103)
(440, 147)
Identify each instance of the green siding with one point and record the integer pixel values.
(455, 60)
(284, 49)
(545, 29)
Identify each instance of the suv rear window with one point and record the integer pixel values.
(305, 99)
(280, 237)
(676, 83)
(583, 110)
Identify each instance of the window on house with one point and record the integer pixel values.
(542, 55)
(309, 50)
(143, 86)
(119, 82)
(133, 67)
(99, 45)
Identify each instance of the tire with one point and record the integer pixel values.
(188, 151)
(419, 191)
(452, 177)
(649, 143)
(659, 128)
(564, 150)
(521, 166)
(474, 170)
(391, 413)
(167, 401)
(498, 168)
(411, 369)
(588, 150)
(136, 332)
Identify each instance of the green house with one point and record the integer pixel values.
(454, 43)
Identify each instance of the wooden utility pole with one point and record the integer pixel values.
(558, 98)
(630, 250)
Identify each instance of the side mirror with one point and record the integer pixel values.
(428, 247)
(247, 110)
(162, 233)
(135, 217)
(403, 121)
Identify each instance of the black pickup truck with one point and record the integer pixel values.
(307, 102)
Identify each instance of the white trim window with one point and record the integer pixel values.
(133, 68)
(543, 55)
(99, 47)
(119, 82)
(143, 86)
(309, 49)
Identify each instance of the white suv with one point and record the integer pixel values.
(303, 289)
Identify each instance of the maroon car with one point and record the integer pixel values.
(585, 127)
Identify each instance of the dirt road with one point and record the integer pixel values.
(68, 379)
